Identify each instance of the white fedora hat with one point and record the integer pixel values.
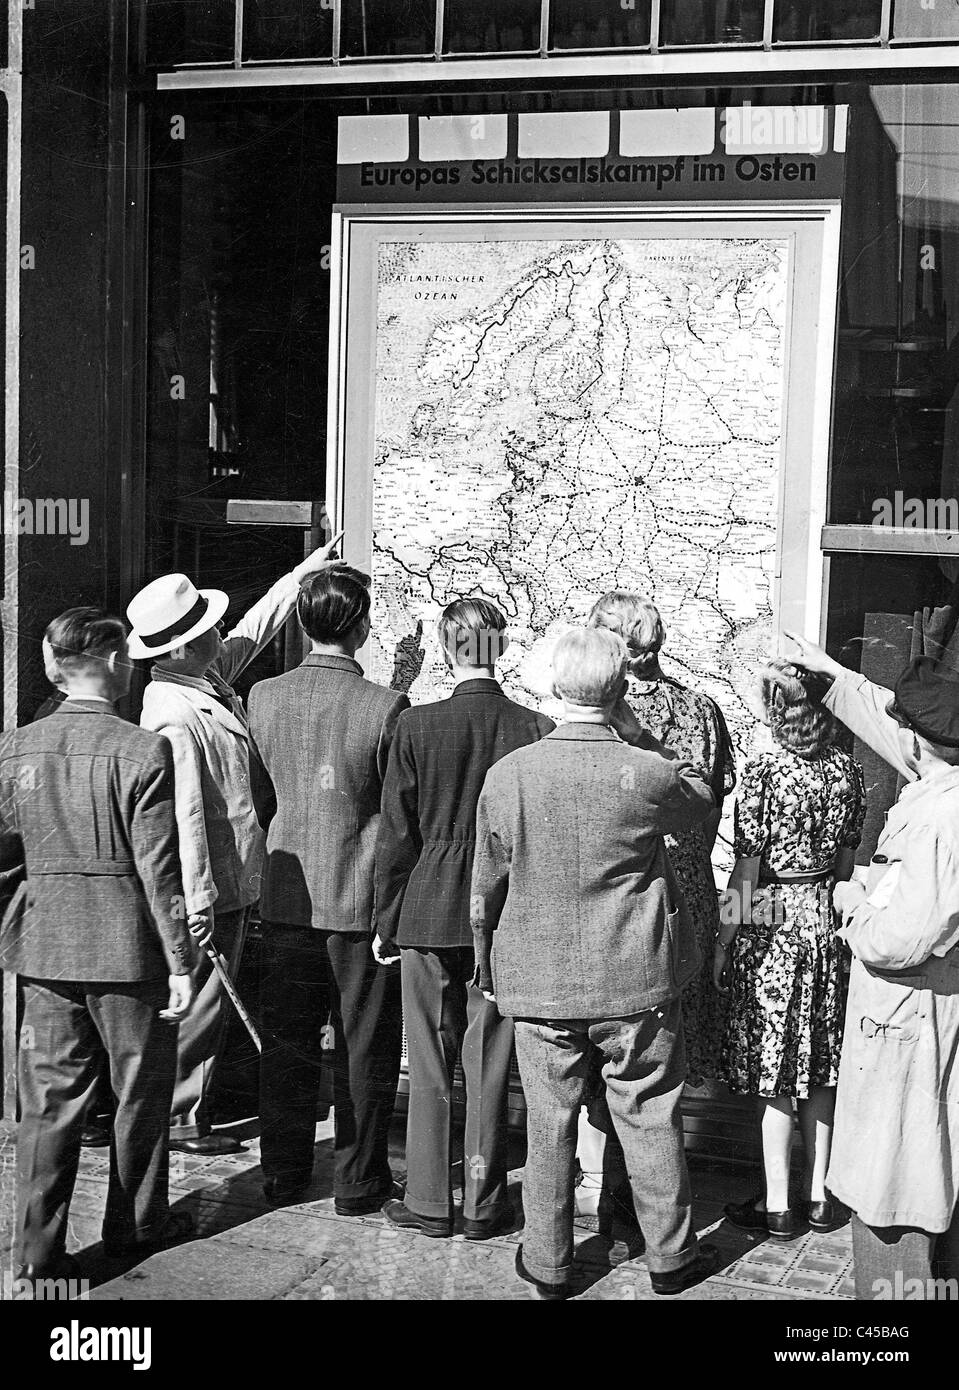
(170, 612)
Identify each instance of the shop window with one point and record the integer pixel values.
(825, 21)
(387, 28)
(492, 26)
(601, 24)
(703, 22)
(918, 19)
(197, 33)
(287, 29)
(896, 432)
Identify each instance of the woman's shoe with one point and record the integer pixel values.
(782, 1225)
(824, 1216)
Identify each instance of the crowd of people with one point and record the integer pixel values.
(494, 882)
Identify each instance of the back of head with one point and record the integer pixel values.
(472, 632)
(793, 711)
(83, 639)
(589, 666)
(332, 602)
(634, 618)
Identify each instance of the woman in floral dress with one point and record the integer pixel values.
(799, 819)
(692, 726)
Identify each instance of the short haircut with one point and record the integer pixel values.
(589, 667)
(332, 602)
(633, 617)
(472, 632)
(81, 636)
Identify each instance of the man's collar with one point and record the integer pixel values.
(89, 704)
(336, 663)
(478, 685)
(159, 673)
(584, 733)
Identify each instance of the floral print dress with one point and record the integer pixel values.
(787, 978)
(689, 724)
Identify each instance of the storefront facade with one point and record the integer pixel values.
(180, 166)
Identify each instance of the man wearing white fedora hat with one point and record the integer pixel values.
(190, 699)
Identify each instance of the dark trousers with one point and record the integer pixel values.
(308, 976)
(901, 1263)
(203, 1031)
(443, 1013)
(68, 1032)
(644, 1072)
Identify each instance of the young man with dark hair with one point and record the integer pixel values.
(95, 927)
(324, 735)
(424, 859)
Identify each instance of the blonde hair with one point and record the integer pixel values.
(635, 619)
(795, 716)
(589, 667)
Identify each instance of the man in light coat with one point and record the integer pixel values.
(190, 699)
(895, 1155)
(582, 935)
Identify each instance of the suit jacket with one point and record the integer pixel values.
(324, 735)
(573, 891)
(221, 841)
(424, 848)
(86, 808)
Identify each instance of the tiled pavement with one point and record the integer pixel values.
(246, 1251)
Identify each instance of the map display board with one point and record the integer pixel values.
(547, 419)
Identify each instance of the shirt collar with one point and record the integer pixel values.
(478, 685)
(336, 663)
(157, 673)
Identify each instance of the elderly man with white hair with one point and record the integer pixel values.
(582, 935)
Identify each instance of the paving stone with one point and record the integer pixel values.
(200, 1271)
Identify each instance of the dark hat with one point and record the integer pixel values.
(927, 699)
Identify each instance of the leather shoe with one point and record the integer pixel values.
(96, 1135)
(675, 1281)
(550, 1293)
(66, 1267)
(491, 1226)
(179, 1226)
(781, 1225)
(286, 1192)
(206, 1144)
(746, 1215)
(367, 1206)
(824, 1216)
(437, 1227)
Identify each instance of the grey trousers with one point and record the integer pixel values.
(644, 1071)
(68, 1032)
(443, 1012)
(903, 1264)
(203, 1031)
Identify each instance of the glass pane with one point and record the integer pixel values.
(388, 27)
(913, 19)
(286, 29)
(601, 24)
(491, 26)
(238, 337)
(201, 32)
(711, 21)
(897, 390)
(879, 610)
(804, 21)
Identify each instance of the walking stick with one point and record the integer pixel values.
(219, 965)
